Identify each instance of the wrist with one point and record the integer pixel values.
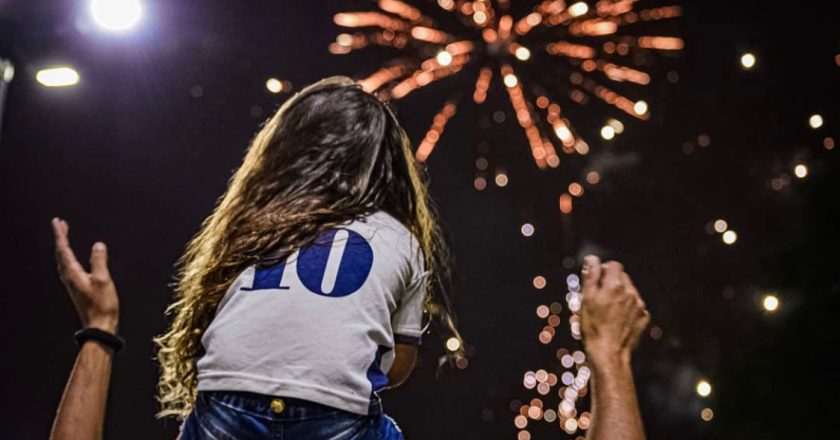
(609, 358)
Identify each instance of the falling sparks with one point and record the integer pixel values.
(427, 145)
(570, 383)
(593, 43)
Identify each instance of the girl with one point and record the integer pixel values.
(303, 294)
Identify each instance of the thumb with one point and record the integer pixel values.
(591, 273)
(99, 261)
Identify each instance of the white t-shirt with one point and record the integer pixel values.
(321, 324)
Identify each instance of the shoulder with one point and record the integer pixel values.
(385, 232)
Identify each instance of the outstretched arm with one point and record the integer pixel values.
(81, 412)
(612, 319)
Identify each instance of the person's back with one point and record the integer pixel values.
(304, 292)
(321, 324)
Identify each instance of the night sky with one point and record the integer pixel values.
(139, 151)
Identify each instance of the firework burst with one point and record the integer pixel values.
(593, 46)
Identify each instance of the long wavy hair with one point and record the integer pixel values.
(331, 154)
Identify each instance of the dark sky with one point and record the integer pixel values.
(131, 157)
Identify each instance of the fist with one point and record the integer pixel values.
(613, 315)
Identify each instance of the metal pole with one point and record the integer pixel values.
(7, 72)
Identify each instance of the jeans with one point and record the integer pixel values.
(223, 415)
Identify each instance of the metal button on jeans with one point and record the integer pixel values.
(278, 405)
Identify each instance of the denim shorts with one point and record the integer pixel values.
(223, 415)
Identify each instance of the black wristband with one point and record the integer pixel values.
(109, 340)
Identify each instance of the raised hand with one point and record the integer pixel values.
(93, 293)
(613, 314)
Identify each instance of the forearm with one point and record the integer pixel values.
(82, 409)
(615, 411)
(405, 356)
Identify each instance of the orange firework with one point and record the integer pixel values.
(593, 42)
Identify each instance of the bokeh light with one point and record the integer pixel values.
(565, 203)
(640, 107)
(578, 9)
(800, 170)
(770, 302)
(274, 85)
(704, 388)
(480, 183)
(453, 344)
(815, 121)
(444, 58)
(527, 229)
(730, 237)
(748, 61)
(607, 132)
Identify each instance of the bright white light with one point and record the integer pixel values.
(730, 237)
(116, 15)
(801, 171)
(453, 344)
(7, 71)
(748, 60)
(815, 121)
(510, 80)
(527, 229)
(563, 132)
(770, 303)
(721, 226)
(274, 85)
(57, 77)
(640, 108)
(607, 132)
(578, 9)
(444, 58)
(522, 53)
(704, 388)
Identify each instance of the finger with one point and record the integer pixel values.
(643, 322)
(99, 261)
(627, 280)
(64, 253)
(591, 273)
(629, 287)
(639, 327)
(612, 274)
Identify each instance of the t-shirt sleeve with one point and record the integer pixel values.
(407, 321)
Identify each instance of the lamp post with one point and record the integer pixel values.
(7, 72)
